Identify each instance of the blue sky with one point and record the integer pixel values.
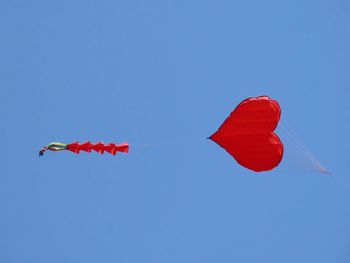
(163, 75)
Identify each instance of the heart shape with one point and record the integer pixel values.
(248, 134)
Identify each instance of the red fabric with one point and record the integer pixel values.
(99, 147)
(247, 134)
(86, 146)
(111, 148)
(73, 147)
(124, 147)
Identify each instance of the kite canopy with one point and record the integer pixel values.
(247, 134)
(76, 147)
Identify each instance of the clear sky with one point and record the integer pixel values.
(163, 75)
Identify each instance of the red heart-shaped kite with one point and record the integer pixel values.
(247, 134)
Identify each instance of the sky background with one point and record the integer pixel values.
(163, 75)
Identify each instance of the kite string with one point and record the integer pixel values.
(300, 146)
(296, 141)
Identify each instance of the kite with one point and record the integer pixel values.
(76, 147)
(248, 134)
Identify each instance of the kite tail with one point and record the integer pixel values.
(54, 146)
(41, 152)
(99, 147)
